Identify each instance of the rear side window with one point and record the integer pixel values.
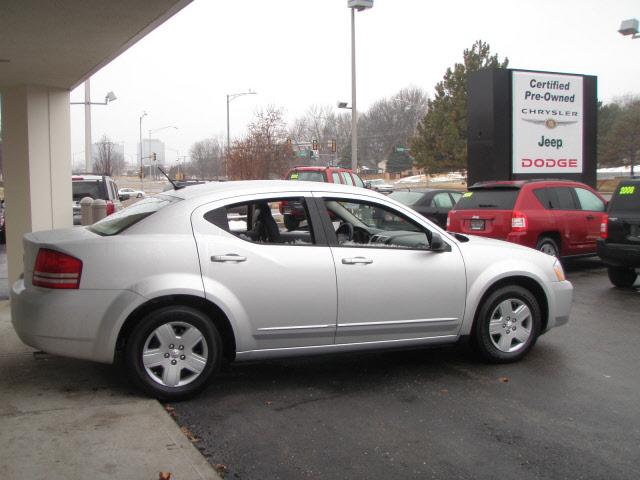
(336, 177)
(542, 194)
(589, 201)
(307, 176)
(626, 197)
(442, 200)
(120, 221)
(408, 198)
(358, 180)
(561, 198)
(489, 198)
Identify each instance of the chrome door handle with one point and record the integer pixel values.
(229, 257)
(356, 260)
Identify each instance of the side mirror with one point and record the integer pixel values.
(123, 197)
(437, 244)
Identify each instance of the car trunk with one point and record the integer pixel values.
(484, 211)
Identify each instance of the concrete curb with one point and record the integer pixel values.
(68, 419)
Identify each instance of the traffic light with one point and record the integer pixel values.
(314, 145)
(333, 146)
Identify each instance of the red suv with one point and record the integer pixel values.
(559, 217)
(293, 212)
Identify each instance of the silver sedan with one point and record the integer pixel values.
(178, 282)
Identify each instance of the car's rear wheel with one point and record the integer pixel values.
(291, 223)
(507, 325)
(623, 277)
(549, 246)
(172, 352)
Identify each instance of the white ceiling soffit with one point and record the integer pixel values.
(59, 43)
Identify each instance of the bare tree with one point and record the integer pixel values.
(265, 152)
(107, 158)
(207, 158)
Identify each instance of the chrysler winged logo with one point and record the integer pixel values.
(550, 123)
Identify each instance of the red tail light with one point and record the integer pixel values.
(604, 227)
(448, 220)
(111, 208)
(56, 270)
(518, 222)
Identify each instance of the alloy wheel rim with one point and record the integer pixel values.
(175, 354)
(510, 325)
(549, 249)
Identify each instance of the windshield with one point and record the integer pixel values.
(626, 197)
(307, 176)
(116, 223)
(490, 198)
(88, 188)
(408, 198)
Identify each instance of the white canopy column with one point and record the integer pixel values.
(36, 156)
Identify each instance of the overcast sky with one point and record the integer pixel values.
(296, 53)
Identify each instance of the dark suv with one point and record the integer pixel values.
(619, 245)
(97, 187)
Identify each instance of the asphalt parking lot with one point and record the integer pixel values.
(569, 410)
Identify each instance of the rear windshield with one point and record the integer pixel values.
(307, 176)
(626, 197)
(88, 188)
(408, 198)
(119, 221)
(488, 198)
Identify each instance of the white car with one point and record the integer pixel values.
(173, 286)
(131, 192)
(379, 185)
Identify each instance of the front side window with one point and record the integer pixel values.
(358, 181)
(283, 221)
(366, 224)
(589, 201)
(442, 200)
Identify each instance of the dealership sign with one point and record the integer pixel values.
(547, 125)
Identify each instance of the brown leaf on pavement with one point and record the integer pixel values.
(504, 379)
(165, 476)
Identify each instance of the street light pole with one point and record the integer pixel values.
(144, 114)
(630, 28)
(355, 5)
(230, 98)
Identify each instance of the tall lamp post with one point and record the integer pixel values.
(109, 97)
(154, 130)
(144, 114)
(630, 27)
(231, 97)
(354, 5)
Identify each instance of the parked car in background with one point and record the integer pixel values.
(172, 287)
(293, 213)
(559, 217)
(431, 203)
(97, 187)
(379, 185)
(131, 193)
(619, 245)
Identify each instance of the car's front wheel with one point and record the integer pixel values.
(622, 277)
(507, 325)
(172, 352)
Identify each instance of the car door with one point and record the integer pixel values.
(278, 294)
(569, 219)
(391, 291)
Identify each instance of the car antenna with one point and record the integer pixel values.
(175, 187)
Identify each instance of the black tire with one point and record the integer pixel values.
(517, 347)
(175, 318)
(139, 195)
(291, 223)
(549, 246)
(3, 237)
(623, 277)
